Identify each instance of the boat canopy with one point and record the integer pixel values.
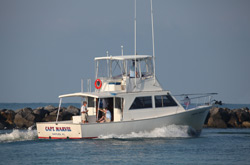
(116, 67)
(125, 57)
(90, 94)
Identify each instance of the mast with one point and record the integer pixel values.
(153, 38)
(135, 30)
(122, 50)
(135, 42)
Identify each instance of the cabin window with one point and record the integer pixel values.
(164, 101)
(142, 102)
(90, 102)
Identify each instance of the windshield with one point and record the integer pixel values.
(108, 68)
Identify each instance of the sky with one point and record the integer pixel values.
(47, 47)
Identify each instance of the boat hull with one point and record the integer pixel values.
(62, 130)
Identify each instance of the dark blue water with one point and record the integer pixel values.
(214, 146)
(167, 145)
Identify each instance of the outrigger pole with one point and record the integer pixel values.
(135, 42)
(153, 38)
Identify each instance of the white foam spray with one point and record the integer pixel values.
(171, 131)
(18, 135)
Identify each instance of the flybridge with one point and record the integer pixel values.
(127, 73)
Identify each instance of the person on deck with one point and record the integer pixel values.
(106, 117)
(84, 112)
(187, 101)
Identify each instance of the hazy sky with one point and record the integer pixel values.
(47, 46)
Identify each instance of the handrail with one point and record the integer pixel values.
(188, 102)
(88, 88)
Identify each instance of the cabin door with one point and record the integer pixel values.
(118, 108)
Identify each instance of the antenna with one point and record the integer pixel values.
(81, 85)
(107, 53)
(122, 50)
(153, 38)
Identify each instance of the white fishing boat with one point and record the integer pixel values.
(128, 87)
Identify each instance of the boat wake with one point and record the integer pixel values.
(171, 131)
(18, 135)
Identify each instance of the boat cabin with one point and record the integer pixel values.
(127, 86)
(128, 106)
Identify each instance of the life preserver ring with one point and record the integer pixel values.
(98, 83)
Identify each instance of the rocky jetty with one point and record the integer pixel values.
(27, 117)
(228, 118)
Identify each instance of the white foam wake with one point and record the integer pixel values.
(171, 131)
(18, 135)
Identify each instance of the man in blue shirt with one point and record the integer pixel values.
(106, 117)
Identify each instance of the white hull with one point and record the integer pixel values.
(66, 129)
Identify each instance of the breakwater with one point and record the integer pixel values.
(228, 118)
(27, 117)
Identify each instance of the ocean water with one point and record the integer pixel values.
(166, 145)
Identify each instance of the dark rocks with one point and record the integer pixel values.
(6, 119)
(52, 118)
(243, 115)
(234, 121)
(73, 110)
(41, 112)
(218, 118)
(24, 118)
(226, 118)
(50, 108)
(69, 112)
(2, 125)
(246, 124)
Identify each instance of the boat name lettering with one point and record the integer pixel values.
(61, 129)
(49, 129)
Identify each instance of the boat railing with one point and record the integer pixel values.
(88, 88)
(190, 101)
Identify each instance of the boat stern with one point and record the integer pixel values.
(53, 130)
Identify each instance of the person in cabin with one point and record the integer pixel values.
(106, 117)
(84, 112)
(132, 72)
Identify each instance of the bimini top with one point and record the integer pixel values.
(125, 57)
(90, 94)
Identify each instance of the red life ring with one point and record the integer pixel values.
(98, 83)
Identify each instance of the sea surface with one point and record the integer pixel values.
(166, 145)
